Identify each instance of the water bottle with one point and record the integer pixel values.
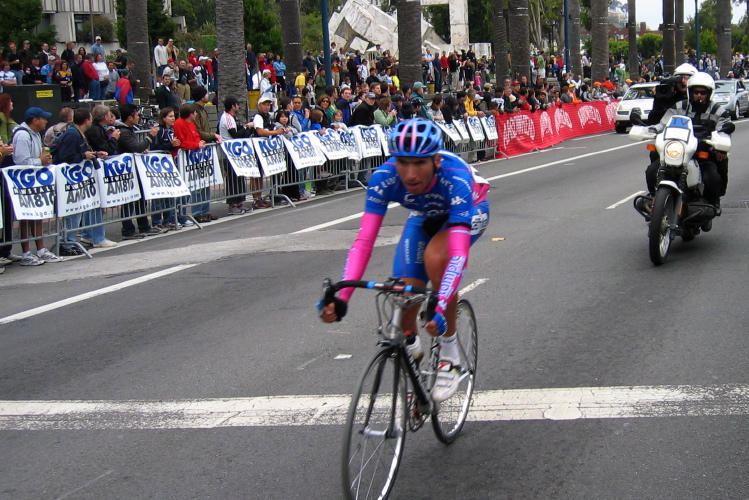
(413, 345)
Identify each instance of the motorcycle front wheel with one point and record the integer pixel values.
(660, 234)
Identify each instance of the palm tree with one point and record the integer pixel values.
(724, 36)
(230, 41)
(633, 62)
(502, 68)
(669, 42)
(599, 33)
(575, 64)
(137, 46)
(292, 35)
(679, 31)
(519, 34)
(409, 41)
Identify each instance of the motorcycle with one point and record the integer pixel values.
(678, 207)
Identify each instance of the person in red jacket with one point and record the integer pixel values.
(187, 132)
(92, 77)
(123, 92)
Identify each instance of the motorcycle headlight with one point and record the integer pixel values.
(674, 150)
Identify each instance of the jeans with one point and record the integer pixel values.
(134, 208)
(94, 90)
(165, 217)
(198, 196)
(89, 217)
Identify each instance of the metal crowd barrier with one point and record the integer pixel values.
(335, 175)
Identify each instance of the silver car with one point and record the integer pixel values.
(732, 95)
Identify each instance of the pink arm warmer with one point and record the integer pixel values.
(458, 246)
(361, 251)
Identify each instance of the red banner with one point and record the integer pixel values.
(525, 131)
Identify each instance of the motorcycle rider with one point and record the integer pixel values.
(706, 117)
(667, 94)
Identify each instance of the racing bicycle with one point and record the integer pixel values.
(393, 394)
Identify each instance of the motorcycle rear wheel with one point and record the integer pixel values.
(660, 234)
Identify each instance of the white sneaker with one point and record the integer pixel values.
(49, 257)
(31, 260)
(2, 270)
(188, 223)
(105, 243)
(448, 376)
(5, 262)
(14, 258)
(87, 241)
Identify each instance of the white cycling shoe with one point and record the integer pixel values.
(448, 378)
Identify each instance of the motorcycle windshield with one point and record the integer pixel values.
(679, 128)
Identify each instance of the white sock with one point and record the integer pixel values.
(449, 348)
(40, 252)
(26, 254)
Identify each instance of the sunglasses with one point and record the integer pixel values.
(699, 92)
(324, 101)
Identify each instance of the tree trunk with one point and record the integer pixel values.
(599, 34)
(409, 41)
(137, 46)
(679, 31)
(724, 36)
(669, 42)
(634, 64)
(291, 32)
(575, 63)
(232, 81)
(501, 64)
(520, 50)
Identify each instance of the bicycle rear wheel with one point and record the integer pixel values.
(375, 429)
(451, 415)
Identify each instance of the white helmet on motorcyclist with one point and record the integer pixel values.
(685, 69)
(700, 80)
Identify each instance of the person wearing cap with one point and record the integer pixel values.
(364, 112)
(120, 61)
(264, 127)
(123, 91)
(160, 58)
(98, 48)
(171, 70)
(25, 54)
(207, 133)
(32, 75)
(28, 149)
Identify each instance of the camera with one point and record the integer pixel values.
(667, 87)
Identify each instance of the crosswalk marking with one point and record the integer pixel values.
(488, 406)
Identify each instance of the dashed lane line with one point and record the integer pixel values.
(273, 411)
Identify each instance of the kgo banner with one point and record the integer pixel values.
(348, 139)
(330, 144)
(200, 167)
(31, 190)
(159, 176)
(241, 156)
(77, 188)
(369, 140)
(490, 127)
(271, 153)
(303, 151)
(460, 126)
(117, 180)
(474, 129)
(450, 131)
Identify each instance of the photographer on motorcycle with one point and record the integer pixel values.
(706, 117)
(667, 94)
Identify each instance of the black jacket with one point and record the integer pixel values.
(362, 115)
(131, 143)
(166, 98)
(71, 146)
(100, 141)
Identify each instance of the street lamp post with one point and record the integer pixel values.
(697, 30)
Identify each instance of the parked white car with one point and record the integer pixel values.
(640, 96)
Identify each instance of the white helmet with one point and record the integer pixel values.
(701, 79)
(685, 69)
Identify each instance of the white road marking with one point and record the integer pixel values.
(551, 164)
(625, 200)
(592, 136)
(488, 406)
(473, 285)
(344, 356)
(89, 483)
(337, 221)
(94, 293)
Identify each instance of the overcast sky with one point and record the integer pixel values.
(651, 11)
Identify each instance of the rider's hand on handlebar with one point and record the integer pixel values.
(335, 311)
(437, 326)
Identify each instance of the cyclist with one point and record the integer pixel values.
(448, 213)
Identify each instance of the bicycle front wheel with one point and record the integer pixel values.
(452, 413)
(375, 429)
